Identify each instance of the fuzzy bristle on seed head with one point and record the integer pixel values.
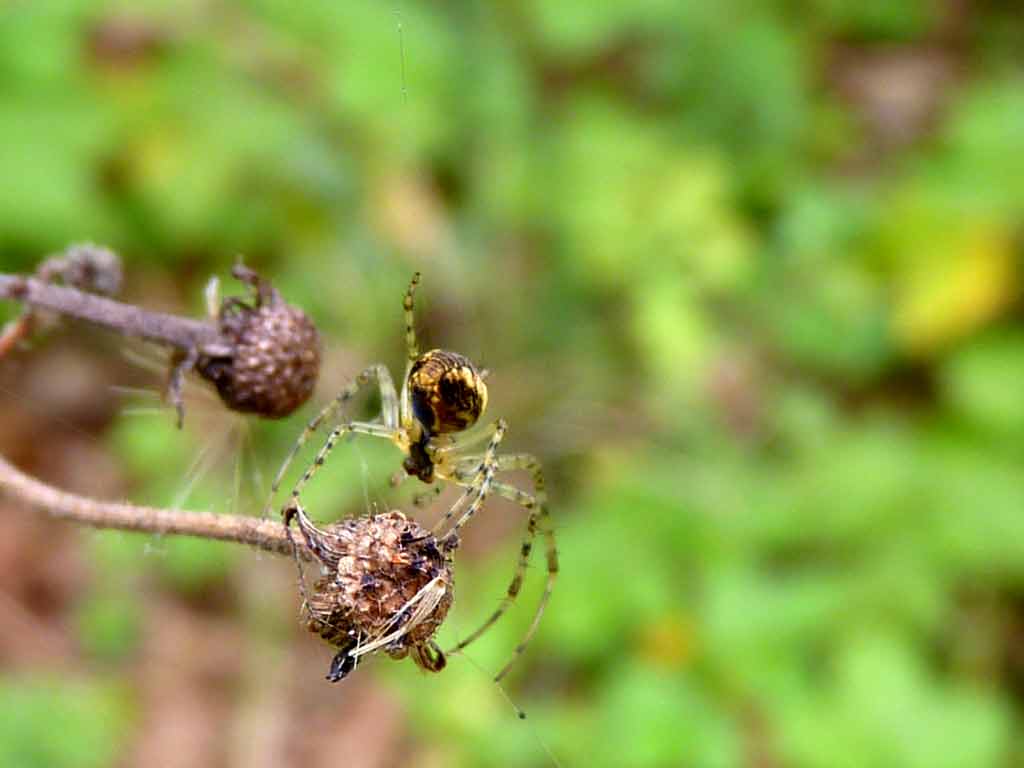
(384, 575)
(273, 358)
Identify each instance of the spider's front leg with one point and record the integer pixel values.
(357, 427)
(389, 415)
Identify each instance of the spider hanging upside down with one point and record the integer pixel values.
(443, 395)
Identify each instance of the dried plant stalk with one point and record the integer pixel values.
(262, 533)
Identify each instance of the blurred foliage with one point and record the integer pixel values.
(748, 278)
(55, 724)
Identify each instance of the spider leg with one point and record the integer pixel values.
(412, 348)
(412, 351)
(357, 427)
(404, 401)
(537, 506)
(389, 415)
(440, 446)
(480, 486)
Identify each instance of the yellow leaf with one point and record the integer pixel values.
(962, 286)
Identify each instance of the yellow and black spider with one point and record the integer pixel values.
(443, 395)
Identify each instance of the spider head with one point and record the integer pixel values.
(448, 393)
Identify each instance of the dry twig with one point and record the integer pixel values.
(268, 535)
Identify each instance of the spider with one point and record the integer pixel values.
(443, 396)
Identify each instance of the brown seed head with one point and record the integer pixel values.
(448, 393)
(273, 360)
(87, 267)
(384, 574)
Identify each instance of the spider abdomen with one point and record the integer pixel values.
(448, 394)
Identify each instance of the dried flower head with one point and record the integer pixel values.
(86, 266)
(271, 360)
(386, 585)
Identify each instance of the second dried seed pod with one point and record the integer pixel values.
(272, 357)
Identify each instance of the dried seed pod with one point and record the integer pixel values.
(387, 586)
(263, 356)
(86, 266)
(271, 360)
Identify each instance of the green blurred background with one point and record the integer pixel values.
(747, 277)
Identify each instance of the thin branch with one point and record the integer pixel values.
(181, 332)
(268, 535)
